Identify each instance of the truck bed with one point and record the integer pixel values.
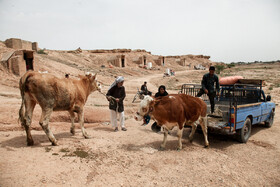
(219, 118)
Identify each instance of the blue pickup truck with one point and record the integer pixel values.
(238, 107)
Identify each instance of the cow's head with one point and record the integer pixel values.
(94, 84)
(144, 107)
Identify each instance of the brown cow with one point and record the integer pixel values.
(175, 110)
(54, 94)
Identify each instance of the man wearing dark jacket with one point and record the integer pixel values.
(116, 95)
(144, 89)
(207, 83)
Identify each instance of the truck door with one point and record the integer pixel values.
(264, 108)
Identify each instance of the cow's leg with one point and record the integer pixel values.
(180, 134)
(44, 122)
(29, 107)
(162, 146)
(194, 126)
(72, 116)
(203, 124)
(81, 122)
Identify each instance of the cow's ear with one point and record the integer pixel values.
(94, 76)
(88, 76)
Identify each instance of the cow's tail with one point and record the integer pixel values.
(22, 87)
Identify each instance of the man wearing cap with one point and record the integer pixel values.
(207, 83)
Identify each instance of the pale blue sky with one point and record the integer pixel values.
(226, 30)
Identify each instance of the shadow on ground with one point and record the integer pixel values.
(39, 139)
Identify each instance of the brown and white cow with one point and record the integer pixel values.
(54, 94)
(175, 110)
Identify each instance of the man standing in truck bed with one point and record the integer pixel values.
(207, 84)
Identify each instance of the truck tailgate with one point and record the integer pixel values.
(215, 122)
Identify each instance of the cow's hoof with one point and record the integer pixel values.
(179, 149)
(87, 137)
(161, 148)
(190, 140)
(206, 146)
(72, 131)
(54, 143)
(30, 143)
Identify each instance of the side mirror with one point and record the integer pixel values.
(268, 98)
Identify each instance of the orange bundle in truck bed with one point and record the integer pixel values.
(229, 80)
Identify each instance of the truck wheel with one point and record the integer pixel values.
(244, 133)
(269, 122)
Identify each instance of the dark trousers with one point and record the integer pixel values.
(146, 92)
(211, 96)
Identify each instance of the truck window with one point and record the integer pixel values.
(263, 96)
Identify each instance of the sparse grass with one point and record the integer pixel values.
(78, 153)
(48, 149)
(64, 150)
(81, 153)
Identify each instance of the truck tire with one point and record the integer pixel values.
(269, 122)
(244, 133)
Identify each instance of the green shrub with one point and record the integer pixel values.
(219, 68)
(230, 65)
(42, 51)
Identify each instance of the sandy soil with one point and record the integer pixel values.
(132, 158)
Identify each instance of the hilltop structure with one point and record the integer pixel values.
(20, 56)
(16, 43)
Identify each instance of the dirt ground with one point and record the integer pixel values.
(132, 158)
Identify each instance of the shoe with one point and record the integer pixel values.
(116, 129)
(124, 129)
